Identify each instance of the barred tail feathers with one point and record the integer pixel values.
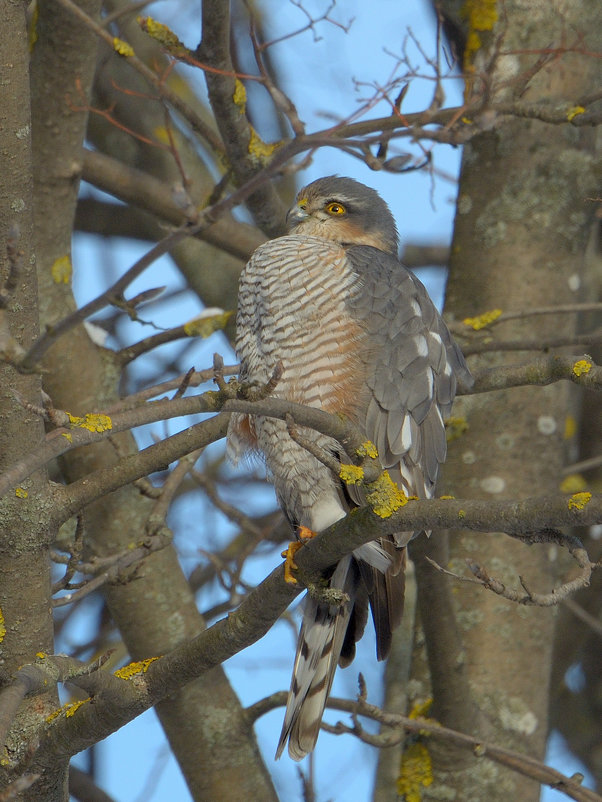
(318, 650)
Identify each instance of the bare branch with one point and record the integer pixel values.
(546, 370)
(196, 122)
(427, 728)
(231, 117)
(559, 594)
(149, 193)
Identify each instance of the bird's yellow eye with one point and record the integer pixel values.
(336, 209)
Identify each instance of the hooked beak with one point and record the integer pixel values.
(295, 216)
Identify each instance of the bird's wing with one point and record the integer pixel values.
(411, 366)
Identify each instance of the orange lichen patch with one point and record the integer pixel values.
(259, 150)
(240, 95)
(71, 707)
(579, 500)
(455, 426)
(421, 709)
(481, 16)
(162, 34)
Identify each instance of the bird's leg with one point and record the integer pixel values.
(303, 534)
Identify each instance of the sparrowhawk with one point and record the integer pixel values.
(356, 334)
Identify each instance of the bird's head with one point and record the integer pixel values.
(345, 211)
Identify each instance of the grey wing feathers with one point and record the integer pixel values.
(414, 366)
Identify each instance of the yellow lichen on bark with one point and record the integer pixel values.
(68, 709)
(416, 772)
(385, 497)
(61, 270)
(163, 35)
(367, 449)
(421, 709)
(203, 326)
(481, 16)
(123, 48)
(20, 492)
(71, 707)
(570, 427)
(579, 500)
(351, 474)
(481, 321)
(132, 669)
(455, 427)
(240, 96)
(259, 150)
(93, 422)
(2, 626)
(581, 367)
(573, 112)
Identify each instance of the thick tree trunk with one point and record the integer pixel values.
(26, 628)
(520, 236)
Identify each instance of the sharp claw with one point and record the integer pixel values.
(289, 563)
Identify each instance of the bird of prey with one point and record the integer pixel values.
(356, 334)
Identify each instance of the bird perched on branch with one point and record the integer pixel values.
(355, 334)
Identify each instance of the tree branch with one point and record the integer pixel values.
(154, 196)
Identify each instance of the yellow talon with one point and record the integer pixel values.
(289, 554)
(289, 563)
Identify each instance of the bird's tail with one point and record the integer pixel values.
(318, 650)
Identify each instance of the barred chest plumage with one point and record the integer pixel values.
(293, 309)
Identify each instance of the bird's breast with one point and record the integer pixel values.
(301, 288)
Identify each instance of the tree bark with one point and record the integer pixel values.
(521, 230)
(26, 626)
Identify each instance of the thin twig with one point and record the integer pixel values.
(189, 114)
(557, 595)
